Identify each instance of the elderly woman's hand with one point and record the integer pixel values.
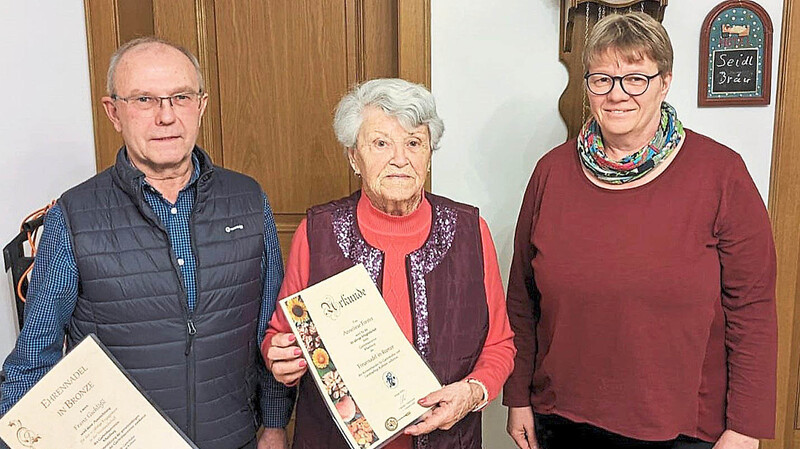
(449, 405)
(284, 359)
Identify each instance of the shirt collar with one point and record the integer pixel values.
(192, 179)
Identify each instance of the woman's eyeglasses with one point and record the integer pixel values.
(633, 84)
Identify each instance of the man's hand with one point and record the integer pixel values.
(734, 440)
(284, 359)
(273, 439)
(450, 404)
(521, 427)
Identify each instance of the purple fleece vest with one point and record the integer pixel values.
(450, 318)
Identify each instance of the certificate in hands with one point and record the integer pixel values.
(368, 373)
(86, 401)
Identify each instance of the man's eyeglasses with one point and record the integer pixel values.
(182, 100)
(633, 84)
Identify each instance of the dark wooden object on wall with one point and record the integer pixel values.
(755, 44)
(274, 71)
(577, 19)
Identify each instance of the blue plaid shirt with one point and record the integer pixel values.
(53, 292)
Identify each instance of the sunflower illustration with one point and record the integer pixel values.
(297, 309)
(320, 358)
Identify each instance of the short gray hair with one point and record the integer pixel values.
(147, 40)
(412, 105)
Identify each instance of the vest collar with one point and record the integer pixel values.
(130, 178)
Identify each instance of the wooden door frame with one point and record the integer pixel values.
(414, 46)
(784, 209)
(110, 23)
(414, 41)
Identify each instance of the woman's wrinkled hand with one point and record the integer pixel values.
(734, 440)
(448, 405)
(285, 359)
(521, 427)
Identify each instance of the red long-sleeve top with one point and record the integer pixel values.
(650, 311)
(396, 237)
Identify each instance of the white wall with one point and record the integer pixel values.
(748, 130)
(45, 118)
(497, 79)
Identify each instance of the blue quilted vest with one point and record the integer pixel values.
(199, 367)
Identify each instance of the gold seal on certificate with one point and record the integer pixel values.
(86, 401)
(368, 373)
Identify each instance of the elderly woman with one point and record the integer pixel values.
(641, 291)
(432, 258)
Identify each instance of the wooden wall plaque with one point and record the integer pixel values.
(735, 55)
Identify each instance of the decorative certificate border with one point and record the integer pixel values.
(87, 400)
(327, 374)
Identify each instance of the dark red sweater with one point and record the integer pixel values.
(649, 312)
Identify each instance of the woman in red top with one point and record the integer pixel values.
(433, 259)
(641, 291)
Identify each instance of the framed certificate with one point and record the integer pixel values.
(87, 401)
(369, 375)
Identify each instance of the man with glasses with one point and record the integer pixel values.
(171, 261)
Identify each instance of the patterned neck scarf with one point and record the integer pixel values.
(669, 135)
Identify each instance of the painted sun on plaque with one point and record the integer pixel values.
(735, 55)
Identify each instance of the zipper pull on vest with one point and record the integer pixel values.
(191, 330)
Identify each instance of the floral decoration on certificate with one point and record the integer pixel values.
(369, 375)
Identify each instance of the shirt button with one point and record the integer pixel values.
(174, 210)
(180, 262)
